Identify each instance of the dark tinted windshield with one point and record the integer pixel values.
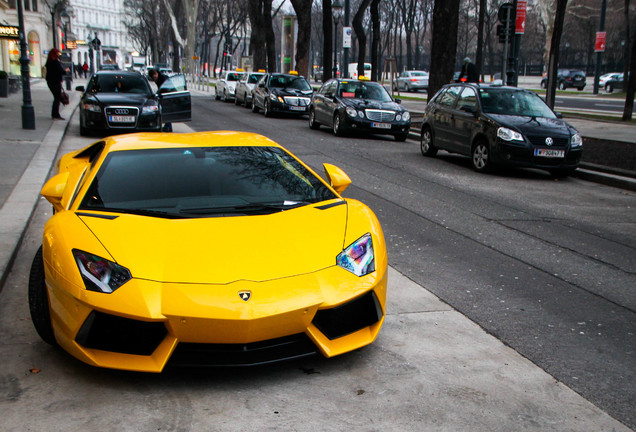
(513, 102)
(363, 90)
(115, 83)
(233, 76)
(289, 81)
(253, 78)
(202, 181)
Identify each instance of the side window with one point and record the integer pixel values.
(173, 84)
(450, 96)
(468, 98)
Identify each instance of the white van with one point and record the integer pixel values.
(353, 70)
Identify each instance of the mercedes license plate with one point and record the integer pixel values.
(297, 108)
(549, 153)
(381, 125)
(121, 119)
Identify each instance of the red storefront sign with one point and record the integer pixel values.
(599, 46)
(520, 22)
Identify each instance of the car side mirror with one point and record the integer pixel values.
(559, 115)
(80, 88)
(53, 190)
(338, 179)
(397, 100)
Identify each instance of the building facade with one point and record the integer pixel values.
(36, 30)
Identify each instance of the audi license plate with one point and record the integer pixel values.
(549, 153)
(381, 125)
(297, 108)
(121, 119)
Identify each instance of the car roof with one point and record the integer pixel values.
(153, 140)
(117, 72)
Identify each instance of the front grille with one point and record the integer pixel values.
(380, 115)
(349, 317)
(116, 116)
(251, 354)
(296, 101)
(539, 141)
(123, 335)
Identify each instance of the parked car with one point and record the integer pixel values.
(497, 125)
(245, 87)
(615, 83)
(226, 85)
(605, 77)
(209, 249)
(123, 101)
(282, 93)
(567, 78)
(358, 105)
(411, 81)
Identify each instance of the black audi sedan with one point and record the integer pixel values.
(117, 101)
(358, 105)
(497, 125)
(281, 93)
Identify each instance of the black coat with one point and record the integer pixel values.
(54, 72)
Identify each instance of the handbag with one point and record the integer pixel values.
(64, 98)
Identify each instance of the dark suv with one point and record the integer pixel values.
(567, 78)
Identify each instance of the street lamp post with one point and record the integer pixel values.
(28, 113)
(336, 8)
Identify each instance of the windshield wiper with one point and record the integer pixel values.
(139, 212)
(264, 208)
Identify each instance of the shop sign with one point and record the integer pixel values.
(9, 32)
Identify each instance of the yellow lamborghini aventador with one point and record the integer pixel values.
(211, 248)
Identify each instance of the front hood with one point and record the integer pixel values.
(224, 249)
(127, 99)
(292, 92)
(362, 104)
(534, 125)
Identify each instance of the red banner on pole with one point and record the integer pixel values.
(520, 22)
(599, 46)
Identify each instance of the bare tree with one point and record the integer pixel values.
(303, 14)
(553, 62)
(444, 43)
(361, 35)
(187, 44)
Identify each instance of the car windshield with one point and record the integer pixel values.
(289, 81)
(253, 78)
(513, 102)
(363, 90)
(424, 74)
(116, 83)
(233, 76)
(203, 181)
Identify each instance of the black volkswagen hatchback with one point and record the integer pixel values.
(499, 126)
(358, 105)
(123, 101)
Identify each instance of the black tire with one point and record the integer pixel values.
(401, 137)
(480, 157)
(426, 142)
(337, 125)
(217, 96)
(313, 124)
(562, 85)
(248, 104)
(39, 300)
(236, 100)
(609, 88)
(254, 107)
(83, 131)
(267, 109)
(580, 88)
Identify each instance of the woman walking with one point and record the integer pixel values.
(54, 73)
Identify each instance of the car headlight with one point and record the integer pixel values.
(398, 117)
(406, 116)
(358, 258)
(577, 141)
(92, 107)
(351, 111)
(151, 107)
(274, 97)
(100, 274)
(509, 135)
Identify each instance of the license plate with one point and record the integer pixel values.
(121, 119)
(297, 108)
(549, 153)
(381, 125)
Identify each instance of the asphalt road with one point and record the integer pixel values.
(548, 267)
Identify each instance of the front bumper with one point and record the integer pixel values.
(144, 324)
(366, 125)
(100, 122)
(283, 107)
(522, 155)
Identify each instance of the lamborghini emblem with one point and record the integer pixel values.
(245, 295)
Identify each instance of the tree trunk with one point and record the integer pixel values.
(630, 89)
(327, 43)
(553, 62)
(479, 58)
(257, 38)
(361, 36)
(375, 40)
(444, 43)
(303, 14)
(269, 35)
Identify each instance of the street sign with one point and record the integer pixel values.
(601, 37)
(505, 10)
(520, 21)
(346, 37)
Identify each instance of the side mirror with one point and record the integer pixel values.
(80, 88)
(397, 100)
(337, 177)
(53, 190)
(559, 115)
